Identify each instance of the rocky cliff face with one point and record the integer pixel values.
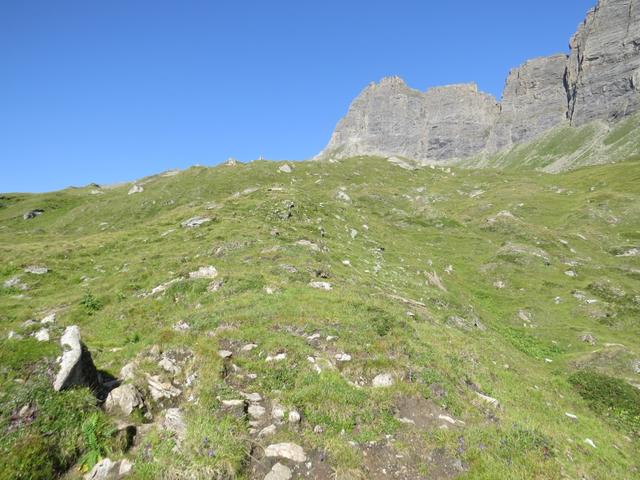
(598, 80)
(603, 74)
(390, 118)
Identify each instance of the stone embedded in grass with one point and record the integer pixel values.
(215, 286)
(382, 380)
(76, 364)
(33, 214)
(290, 451)
(256, 411)
(266, 431)
(42, 335)
(50, 318)
(36, 270)
(248, 347)
(15, 282)
(107, 469)
(285, 168)
(571, 273)
(294, 416)
(279, 472)
(128, 372)
(321, 285)
(343, 357)
(225, 354)
(161, 390)
(209, 272)
(588, 338)
(125, 399)
(307, 244)
(276, 358)
(571, 416)
(174, 422)
(252, 397)
(342, 196)
(14, 336)
(589, 442)
(194, 222)
(487, 399)
(135, 189)
(181, 326)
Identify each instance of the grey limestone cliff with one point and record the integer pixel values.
(598, 80)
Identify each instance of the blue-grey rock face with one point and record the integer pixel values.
(598, 80)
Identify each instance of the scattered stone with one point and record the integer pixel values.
(248, 347)
(225, 354)
(173, 422)
(256, 411)
(571, 273)
(33, 214)
(487, 399)
(635, 366)
(124, 398)
(382, 380)
(289, 268)
(50, 318)
(128, 372)
(42, 335)
(343, 357)
(15, 282)
(308, 244)
(237, 408)
(36, 270)
(279, 472)
(106, 469)
(194, 222)
(14, 336)
(294, 416)
(342, 196)
(588, 338)
(76, 365)
(135, 189)
(290, 451)
(346, 263)
(285, 168)
(181, 326)
(277, 411)
(321, 285)
(204, 272)
(318, 429)
(571, 416)
(215, 286)
(270, 430)
(589, 442)
(499, 284)
(276, 358)
(160, 390)
(252, 397)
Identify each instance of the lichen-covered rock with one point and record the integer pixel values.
(76, 364)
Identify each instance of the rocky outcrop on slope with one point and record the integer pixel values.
(603, 74)
(390, 118)
(599, 80)
(534, 100)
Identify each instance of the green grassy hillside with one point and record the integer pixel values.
(459, 284)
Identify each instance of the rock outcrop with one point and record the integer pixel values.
(598, 80)
(603, 74)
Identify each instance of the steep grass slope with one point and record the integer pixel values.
(458, 285)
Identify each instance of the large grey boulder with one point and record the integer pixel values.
(76, 364)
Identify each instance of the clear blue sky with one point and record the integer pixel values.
(105, 91)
